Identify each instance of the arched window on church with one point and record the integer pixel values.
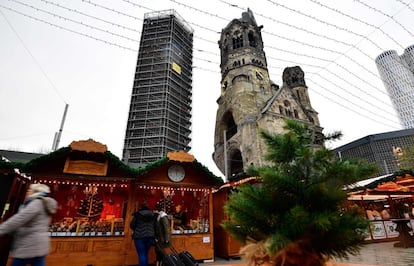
(236, 163)
(237, 41)
(231, 127)
(225, 85)
(288, 108)
(281, 110)
(296, 113)
(252, 40)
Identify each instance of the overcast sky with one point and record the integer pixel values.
(83, 53)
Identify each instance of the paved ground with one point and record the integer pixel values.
(384, 254)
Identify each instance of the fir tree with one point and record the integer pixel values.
(300, 198)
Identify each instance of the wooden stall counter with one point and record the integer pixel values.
(199, 245)
(86, 251)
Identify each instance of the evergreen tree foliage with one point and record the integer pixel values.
(300, 198)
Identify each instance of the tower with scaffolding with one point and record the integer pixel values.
(159, 117)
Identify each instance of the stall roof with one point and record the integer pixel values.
(403, 177)
(18, 156)
(179, 156)
(397, 185)
(366, 182)
(90, 149)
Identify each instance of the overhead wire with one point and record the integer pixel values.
(359, 89)
(111, 9)
(318, 47)
(358, 20)
(207, 13)
(355, 96)
(76, 22)
(83, 24)
(354, 46)
(56, 90)
(92, 27)
(283, 37)
(211, 30)
(294, 40)
(388, 16)
(330, 62)
(67, 29)
(407, 5)
(341, 54)
(90, 16)
(140, 19)
(311, 32)
(201, 58)
(106, 31)
(346, 107)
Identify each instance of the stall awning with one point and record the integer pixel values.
(398, 185)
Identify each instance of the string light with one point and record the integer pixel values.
(170, 189)
(126, 185)
(58, 182)
(237, 183)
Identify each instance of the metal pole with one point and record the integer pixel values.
(59, 134)
(226, 172)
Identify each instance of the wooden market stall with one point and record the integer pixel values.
(93, 188)
(97, 195)
(225, 246)
(388, 204)
(180, 180)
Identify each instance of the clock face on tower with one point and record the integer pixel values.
(176, 173)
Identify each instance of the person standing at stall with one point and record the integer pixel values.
(180, 218)
(162, 234)
(30, 226)
(143, 226)
(372, 213)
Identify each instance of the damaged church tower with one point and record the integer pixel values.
(250, 102)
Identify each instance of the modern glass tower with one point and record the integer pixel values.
(397, 74)
(159, 117)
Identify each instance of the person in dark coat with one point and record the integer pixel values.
(162, 234)
(30, 227)
(143, 226)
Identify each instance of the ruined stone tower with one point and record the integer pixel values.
(250, 101)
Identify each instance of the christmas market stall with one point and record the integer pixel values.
(93, 188)
(388, 203)
(97, 195)
(183, 188)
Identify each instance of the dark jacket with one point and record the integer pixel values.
(143, 224)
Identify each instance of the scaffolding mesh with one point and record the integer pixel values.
(159, 117)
